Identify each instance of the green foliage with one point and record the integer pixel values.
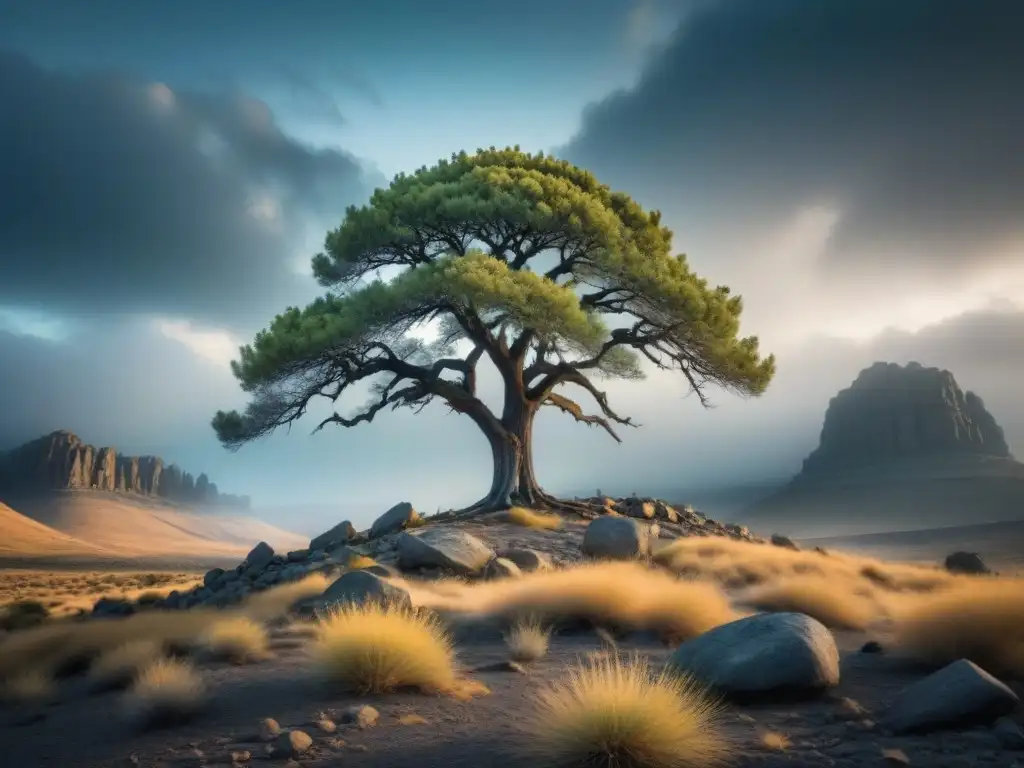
(581, 274)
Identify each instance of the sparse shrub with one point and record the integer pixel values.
(357, 561)
(276, 602)
(834, 606)
(527, 640)
(166, 692)
(531, 518)
(378, 647)
(606, 712)
(238, 639)
(117, 668)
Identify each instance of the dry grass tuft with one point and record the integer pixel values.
(238, 639)
(375, 647)
(528, 640)
(981, 619)
(775, 742)
(357, 561)
(816, 597)
(609, 713)
(412, 719)
(118, 667)
(531, 518)
(167, 692)
(621, 595)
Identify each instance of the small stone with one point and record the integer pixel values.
(241, 756)
(871, 646)
(291, 744)
(1009, 734)
(363, 716)
(327, 726)
(894, 757)
(269, 729)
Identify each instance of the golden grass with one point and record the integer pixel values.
(828, 602)
(531, 518)
(412, 719)
(981, 619)
(527, 640)
(357, 561)
(66, 593)
(774, 742)
(620, 595)
(165, 692)
(379, 647)
(609, 713)
(237, 639)
(118, 667)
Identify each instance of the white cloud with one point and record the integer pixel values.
(217, 346)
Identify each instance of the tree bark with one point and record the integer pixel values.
(517, 419)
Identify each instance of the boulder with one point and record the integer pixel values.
(212, 577)
(966, 562)
(502, 568)
(640, 509)
(616, 538)
(260, 556)
(665, 512)
(527, 559)
(784, 541)
(290, 744)
(382, 570)
(342, 533)
(361, 587)
(448, 548)
(960, 693)
(785, 652)
(398, 518)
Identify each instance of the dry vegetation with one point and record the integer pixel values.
(377, 647)
(118, 667)
(613, 713)
(528, 640)
(65, 593)
(531, 518)
(237, 639)
(166, 692)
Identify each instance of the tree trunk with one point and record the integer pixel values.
(518, 420)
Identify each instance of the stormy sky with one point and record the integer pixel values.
(853, 168)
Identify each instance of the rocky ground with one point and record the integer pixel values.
(829, 700)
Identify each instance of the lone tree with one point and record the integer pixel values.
(525, 259)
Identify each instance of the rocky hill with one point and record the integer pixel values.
(903, 447)
(61, 461)
(893, 412)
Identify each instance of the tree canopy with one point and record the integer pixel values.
(522, 258)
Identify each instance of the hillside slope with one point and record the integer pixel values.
(136, 527)
(21, 536)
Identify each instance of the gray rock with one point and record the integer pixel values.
(762, 653)
(291, 743)
(1009, 734)
(361, 587)
(666, 512)
(342, 533)
(441, 547)
(298, 555)
(363, 716)
(502, 568)
(784, 541)
(527, 559)
(958, 693)
(212, 577)
(259, 557)
(382, 570)
(641, 509)
(616, 538)
(966, 562)
(395, 519)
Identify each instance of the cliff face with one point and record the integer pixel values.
(61, 461)
(893, 412)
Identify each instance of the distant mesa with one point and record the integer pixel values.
(903, 447)
(893, 413)
(61, 461)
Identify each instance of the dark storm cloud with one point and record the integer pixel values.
(906, 115)
(124, 196)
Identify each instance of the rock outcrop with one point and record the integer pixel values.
(893, 412)
(61, 461)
